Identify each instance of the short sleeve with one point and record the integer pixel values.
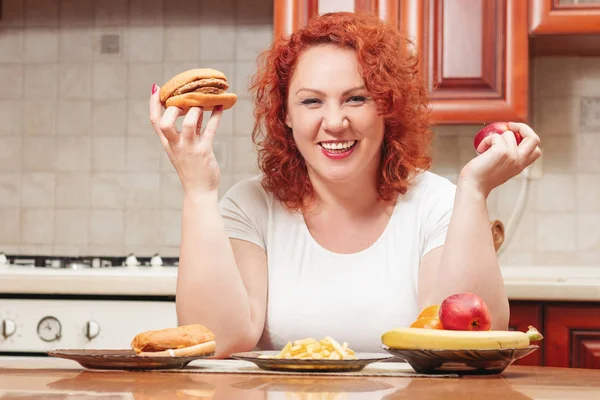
(438, 210)
(245, 212)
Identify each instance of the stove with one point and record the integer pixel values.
(83, 262)
(85, 302)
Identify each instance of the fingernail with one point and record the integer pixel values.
(218, 108)
(154, 87)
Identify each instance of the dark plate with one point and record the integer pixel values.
(122, 359)
(309, 365)
(466, 362)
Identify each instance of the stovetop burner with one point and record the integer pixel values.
(84, 262)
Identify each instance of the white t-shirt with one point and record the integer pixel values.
(354, 298)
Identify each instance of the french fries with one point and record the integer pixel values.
(326, 348)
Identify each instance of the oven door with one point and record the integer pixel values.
(36, 324)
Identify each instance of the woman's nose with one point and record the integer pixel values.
(335, 121)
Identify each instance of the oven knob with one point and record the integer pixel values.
(49, 329)
(156, 261)
(8, 328)
(92, 329)
(132, 261)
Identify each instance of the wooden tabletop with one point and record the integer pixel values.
(23, 380)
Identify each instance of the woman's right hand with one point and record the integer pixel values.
(190, 151)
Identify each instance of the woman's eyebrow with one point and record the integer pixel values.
(321, 93)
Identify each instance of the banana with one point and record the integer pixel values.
(437, 339)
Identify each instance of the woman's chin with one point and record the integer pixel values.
(339, 174)
(339, 171)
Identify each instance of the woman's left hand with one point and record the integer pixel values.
(501, 158)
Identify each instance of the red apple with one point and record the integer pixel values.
(465, 312)
(494, 127)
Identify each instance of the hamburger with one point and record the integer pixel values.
(203, 87)
(183, 341)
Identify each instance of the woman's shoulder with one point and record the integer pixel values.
(430, 185)
(249, 189)
(428, 190)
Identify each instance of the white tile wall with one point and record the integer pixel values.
(107, 227)
(38, 189)
(11, 115)
(72, 190)
(81, 169)
(11, 43)
(108, 190)
(10, 188)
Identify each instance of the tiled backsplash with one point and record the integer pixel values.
(81, 170)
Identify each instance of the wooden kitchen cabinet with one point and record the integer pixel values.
(523, 314)
(474, 53)
(290, 15)
(572, 335)
(551, 17)
(571, 332)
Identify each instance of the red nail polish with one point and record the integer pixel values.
(218, 108)
(154, 87)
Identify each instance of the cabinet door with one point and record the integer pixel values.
(523, 314)
(572, 336)
(564, 17)
(290, 15)
(474, 54)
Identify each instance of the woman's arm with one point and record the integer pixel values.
(468, 262)
(221, 283)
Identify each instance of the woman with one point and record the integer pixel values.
(345, 233)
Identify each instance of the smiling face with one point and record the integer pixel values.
(334, 121)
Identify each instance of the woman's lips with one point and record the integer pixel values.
(338, 154)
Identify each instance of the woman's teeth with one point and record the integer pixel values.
(338, 147)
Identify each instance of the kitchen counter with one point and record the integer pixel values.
(564, 283)
(49, 378)
(124, 281)
(552, 283)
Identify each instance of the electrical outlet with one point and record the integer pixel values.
(110, 43)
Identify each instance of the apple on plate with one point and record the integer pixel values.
(494, 127)
(465, 312)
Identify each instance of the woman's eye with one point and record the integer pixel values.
(310, 101)
(357, 99)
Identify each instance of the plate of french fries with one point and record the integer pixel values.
(311, 355)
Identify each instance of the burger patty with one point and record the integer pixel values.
(208, 86)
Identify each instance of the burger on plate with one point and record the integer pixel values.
(202, 87)
(183, 341)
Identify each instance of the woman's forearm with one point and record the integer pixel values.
(210, 290)
(469, 262)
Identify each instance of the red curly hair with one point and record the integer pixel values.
(391, 77)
